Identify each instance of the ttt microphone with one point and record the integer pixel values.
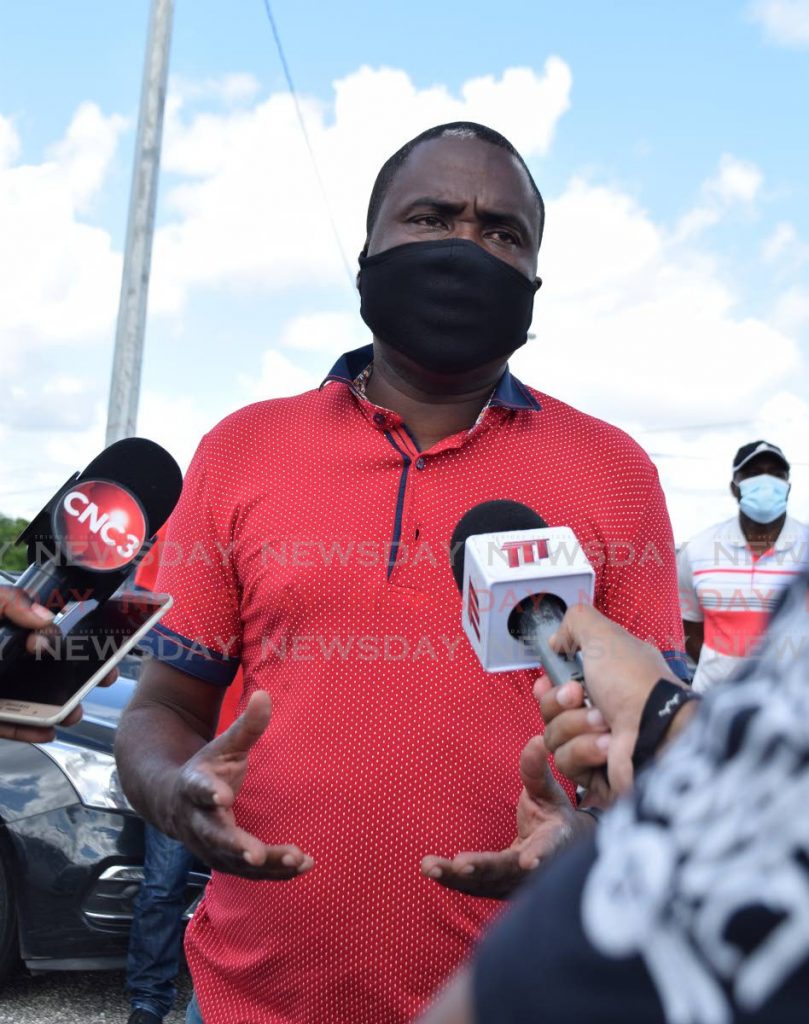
(89, 536)
(517, 577)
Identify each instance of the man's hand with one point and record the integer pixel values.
(546, 821)
(16, 608)
(201, 815)
(620, 671)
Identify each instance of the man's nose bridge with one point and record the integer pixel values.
(467, 227)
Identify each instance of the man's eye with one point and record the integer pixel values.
(429, 220)
(505, 237)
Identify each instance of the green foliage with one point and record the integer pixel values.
(11, 557)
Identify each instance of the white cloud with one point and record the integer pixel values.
(735, 182)
(59, 276)
(641, 328)
(9, 142)
(84, 154)
(783, 236)
(785, 249)
(229, 88)
(177, 421)
(785, 22)
(791, 312)
(250, 213)
(42, 459)
(48, 403)
(648, 327)
(278, 377)
(331, 333)
(59, 284)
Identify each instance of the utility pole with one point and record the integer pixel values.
(122, 414)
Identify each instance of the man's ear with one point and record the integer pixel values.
(734, 490)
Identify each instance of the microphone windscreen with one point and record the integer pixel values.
(489, 517)
(144, 468)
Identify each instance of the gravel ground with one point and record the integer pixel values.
(75, 997)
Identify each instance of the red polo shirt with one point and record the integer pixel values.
(310, 543)
(146, 577)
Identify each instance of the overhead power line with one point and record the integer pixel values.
(293, 92)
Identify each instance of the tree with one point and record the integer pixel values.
(12, 557)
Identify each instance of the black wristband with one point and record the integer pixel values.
(661, 706)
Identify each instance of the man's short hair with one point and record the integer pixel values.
(456, 130)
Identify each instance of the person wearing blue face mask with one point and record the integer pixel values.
(732, 574)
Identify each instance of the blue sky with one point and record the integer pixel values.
(669, 141)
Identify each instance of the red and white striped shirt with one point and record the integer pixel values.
(733, 591)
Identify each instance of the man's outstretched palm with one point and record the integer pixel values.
(546, 821)
(202, 806)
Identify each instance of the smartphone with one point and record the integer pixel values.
(44, 689)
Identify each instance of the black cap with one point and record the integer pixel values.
(755, 448)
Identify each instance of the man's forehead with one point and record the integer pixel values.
(449, 166)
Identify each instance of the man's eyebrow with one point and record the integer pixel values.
(510, 217)
(434, 202)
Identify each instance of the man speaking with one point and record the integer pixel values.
(311, 542)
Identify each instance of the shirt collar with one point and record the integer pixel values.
(510, 393)
(791, 532)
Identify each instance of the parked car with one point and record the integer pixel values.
(71, 847)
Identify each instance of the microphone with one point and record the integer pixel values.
(517, 577)
(88, 538)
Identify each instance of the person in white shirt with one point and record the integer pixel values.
(732, 574)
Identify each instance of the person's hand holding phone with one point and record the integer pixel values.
(16, 608)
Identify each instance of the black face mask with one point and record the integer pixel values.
(450, 306)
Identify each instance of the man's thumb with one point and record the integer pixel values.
(249, 726)
(535, 771)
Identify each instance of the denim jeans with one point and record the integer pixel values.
(157, 927)
(192, 1014)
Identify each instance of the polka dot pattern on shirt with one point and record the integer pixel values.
(387, 741)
